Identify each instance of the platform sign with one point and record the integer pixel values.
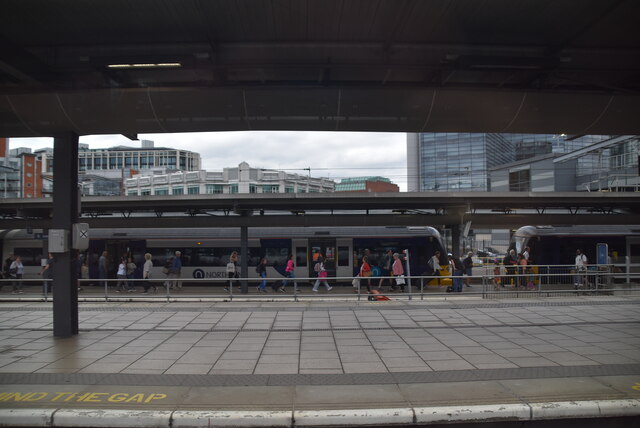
(602, 253)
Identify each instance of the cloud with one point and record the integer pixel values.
(329, 154)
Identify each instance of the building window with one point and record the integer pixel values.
(519, 181)
(161, 191)
(214, 189)
(193, 190)
(233, 188)
(270, 188)
(302, 190)
(178, 191)
(145, 192)
(132, 193)
(289, 190)
(253, 188)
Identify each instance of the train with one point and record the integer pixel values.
(205, 251)
(555, 245)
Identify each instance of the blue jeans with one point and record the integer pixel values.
(263, 284)
(291, 275)
(457, 281)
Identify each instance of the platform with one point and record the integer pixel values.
(323, 363)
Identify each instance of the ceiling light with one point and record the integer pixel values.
(147, 65)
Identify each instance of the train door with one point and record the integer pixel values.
(343, 258)
(633, 258)
(119, 248)
(299, 251)
(325, 247)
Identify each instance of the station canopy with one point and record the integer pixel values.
(152, 66)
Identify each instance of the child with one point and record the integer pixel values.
(496, 281)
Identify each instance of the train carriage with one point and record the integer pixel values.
(205, 251)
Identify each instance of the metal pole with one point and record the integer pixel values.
(406, 251)
(244, 259)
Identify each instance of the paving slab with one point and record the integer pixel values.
(369, 357)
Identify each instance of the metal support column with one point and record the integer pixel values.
(65, 214)
(455, 240)
(244, 259)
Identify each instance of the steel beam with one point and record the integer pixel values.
(65, 214)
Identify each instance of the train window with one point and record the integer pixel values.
(301, 256)
(276, 256)
(343, 256)
(29, 256)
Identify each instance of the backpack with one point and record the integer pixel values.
(316, 268)
(167, 267)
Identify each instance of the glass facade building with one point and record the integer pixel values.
(450, 162)
(446, 162)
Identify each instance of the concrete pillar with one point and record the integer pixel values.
(65, 213)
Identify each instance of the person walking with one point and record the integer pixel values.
(456, 269)
(166, 270)
(102, 268)
(581, 269)
(398, 272)
(122, 276)
(434, 264)
(467, 265)
(522, 271)
(386, 265)
(366, 272)
(131, 269)
(322, 276)
(510, 263)
(232, 270)
(261, 269)
(146, 274)
(289, 274)
(176, 270)
(16, 270)
(47, 273)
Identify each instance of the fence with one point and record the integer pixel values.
(510, 281)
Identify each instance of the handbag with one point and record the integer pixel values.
(355, 282)
(400, 280)
(367, 273)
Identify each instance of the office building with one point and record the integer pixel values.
(454, 162)
(607, 165)
(240, 179)
(20, 173)
(366, 184)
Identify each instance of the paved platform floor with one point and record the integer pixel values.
(322, 355)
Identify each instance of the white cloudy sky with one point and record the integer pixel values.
(329, 154)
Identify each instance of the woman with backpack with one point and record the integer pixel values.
(322, 276)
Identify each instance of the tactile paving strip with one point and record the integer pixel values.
(316, 379)
(353, 306)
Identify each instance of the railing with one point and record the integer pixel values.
(540, 281)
